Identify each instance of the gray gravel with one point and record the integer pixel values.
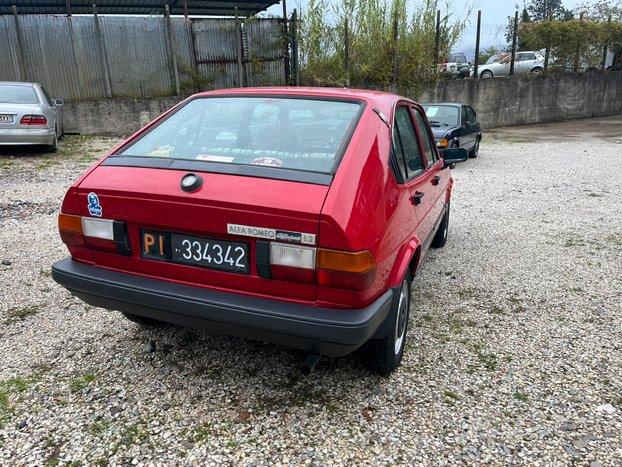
(514, 351)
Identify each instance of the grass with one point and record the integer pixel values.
(79, 383)
(9, 390)
(451, 397)
(21, 313)
(487, 360)
(520, 396)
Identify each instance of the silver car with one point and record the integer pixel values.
(524, 62)
(29, 116)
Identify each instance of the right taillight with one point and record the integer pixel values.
(332, 268)
(37, 120)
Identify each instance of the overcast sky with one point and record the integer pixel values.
(494, 18)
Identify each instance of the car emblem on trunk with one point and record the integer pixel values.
(191, 182)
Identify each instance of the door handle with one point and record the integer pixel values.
(416, 198)
(436, 179)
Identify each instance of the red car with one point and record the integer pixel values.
(297, 216)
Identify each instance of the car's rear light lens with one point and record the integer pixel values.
(292, 255)
(70, 228)
(33, 120)
(341, 269)
(358, 262)
(101, 234)
(98, 228)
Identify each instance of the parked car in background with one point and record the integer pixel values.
(455, 126)
(524, 63)
(456, 65)
(28, 116)
(297, 216)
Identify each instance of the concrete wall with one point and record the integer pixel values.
(526, 99)
(115, 117)
(498, 102)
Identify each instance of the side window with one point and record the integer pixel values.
(471, 116)
(461, 58)
(428, 143)
(463, 116)
(407, 138)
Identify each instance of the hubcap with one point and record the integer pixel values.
(402, 313)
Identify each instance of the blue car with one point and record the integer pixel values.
(454, 125)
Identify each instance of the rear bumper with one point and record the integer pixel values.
(318, 330)
(19, 136)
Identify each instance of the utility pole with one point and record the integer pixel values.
(514, 33)
(479, 30)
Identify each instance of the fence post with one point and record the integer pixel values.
(479, 30)
(21, 71)
(437, 38)
(346, 51)
(514, 33)
(286, 43)
(102, 53)
(238, 48)
(577, 51)
(294, 36)
(170, 34)
(603, 63)
(193, 50)
(394, 51)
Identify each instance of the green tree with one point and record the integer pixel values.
(540, 10)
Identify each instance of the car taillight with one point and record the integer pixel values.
(101, 234)
(33, 120)
(342, 269)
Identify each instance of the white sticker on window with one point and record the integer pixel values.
(207, 157)
(431, 111)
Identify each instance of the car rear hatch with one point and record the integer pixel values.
(11, 114)
(226, 208)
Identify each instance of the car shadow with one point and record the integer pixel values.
(23, 151)
(264, 370)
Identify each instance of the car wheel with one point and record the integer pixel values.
(440, 238)
(486, 74)
(537, 70)
(142, 320)
(384, 355)
(475, 151)
(54, 146)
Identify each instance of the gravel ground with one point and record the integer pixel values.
(514, 352)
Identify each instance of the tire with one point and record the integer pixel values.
(440, 238)
(54, 146)
(475, 151)
(486, 74)
(141, 320)
(537, 70)
(383, 356)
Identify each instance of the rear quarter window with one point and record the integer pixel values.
(289, 133)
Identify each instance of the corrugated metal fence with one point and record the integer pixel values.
(91, 57)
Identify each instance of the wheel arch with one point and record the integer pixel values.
(407, 260)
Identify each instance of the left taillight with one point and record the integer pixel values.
(36, 120)
(101, 234)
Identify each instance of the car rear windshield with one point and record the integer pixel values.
(442, 115)
(288, 133)
(13, 94)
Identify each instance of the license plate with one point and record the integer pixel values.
(204, 252)
(4, 118)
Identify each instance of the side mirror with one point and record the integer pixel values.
(59, 102)
(454, 155)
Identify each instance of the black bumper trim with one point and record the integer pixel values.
(325, 331)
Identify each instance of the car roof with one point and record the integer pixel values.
(17, 83)
(444, 104)
(382, 100)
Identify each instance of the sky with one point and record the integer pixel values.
(494, 19)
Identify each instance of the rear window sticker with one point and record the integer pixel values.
(162, 151)
(267, 161)
(210, 158)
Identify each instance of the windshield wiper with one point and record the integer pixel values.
(434, 122)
